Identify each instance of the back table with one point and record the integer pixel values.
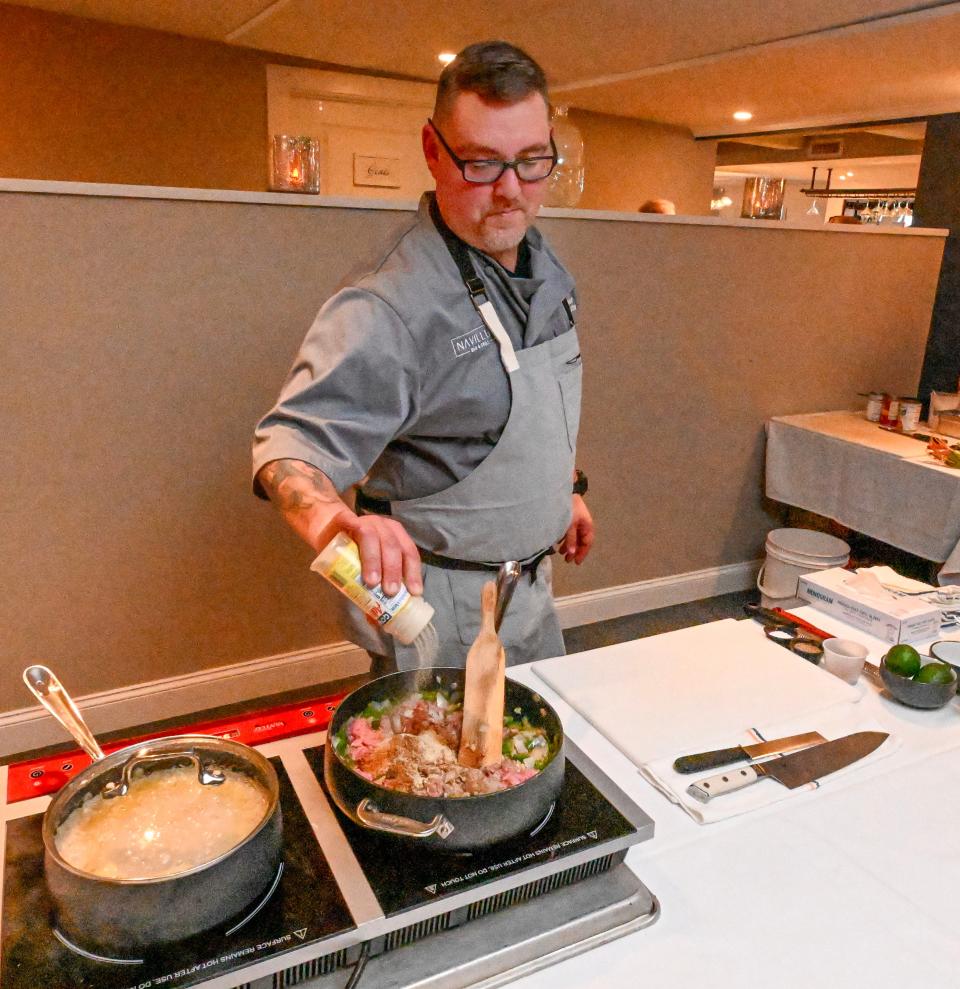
(841, 466)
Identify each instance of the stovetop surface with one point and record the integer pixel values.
(404, 877)
(307, 917)
(306, 907)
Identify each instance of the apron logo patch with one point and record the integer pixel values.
(469, 343)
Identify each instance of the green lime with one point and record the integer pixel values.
(935, 673)
(903, 660)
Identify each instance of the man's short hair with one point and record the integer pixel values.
(495, 70)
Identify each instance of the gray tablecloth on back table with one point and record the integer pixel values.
(840, 465)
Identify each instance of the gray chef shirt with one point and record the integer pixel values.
(398, 380)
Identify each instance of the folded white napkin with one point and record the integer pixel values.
(890, 580)
(673, 785)
(873, 581)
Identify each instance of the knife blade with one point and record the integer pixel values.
(793, 770)
(701, 761)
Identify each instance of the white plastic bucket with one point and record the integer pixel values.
(792, 553)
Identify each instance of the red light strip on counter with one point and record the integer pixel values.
(39, 777)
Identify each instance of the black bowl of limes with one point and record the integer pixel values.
(915, 680)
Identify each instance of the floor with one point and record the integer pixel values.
(615, 630)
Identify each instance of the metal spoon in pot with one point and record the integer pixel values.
(43, 684)
(506, 584)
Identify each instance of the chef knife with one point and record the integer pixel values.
(793, 770)
(700, 762)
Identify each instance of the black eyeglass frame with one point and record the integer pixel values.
(462, 163)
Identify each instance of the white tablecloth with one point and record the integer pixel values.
(849, 886)
(841, 466)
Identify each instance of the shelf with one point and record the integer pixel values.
(860, 193)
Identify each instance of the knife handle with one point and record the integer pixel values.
(736, 779)
(702, 761)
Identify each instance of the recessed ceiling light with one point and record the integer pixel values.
(850, 174)
(843, 178)
(446, 57)
(743, 115)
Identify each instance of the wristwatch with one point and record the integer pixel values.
(580, 482)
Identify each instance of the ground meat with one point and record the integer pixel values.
(414, 747)
(364, 738)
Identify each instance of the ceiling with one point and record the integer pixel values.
(868, 173)
(690, 63)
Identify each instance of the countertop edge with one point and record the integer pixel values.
(116, 191)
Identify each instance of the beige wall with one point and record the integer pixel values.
(86, 101)
(141, 339)
(630, 161)
(89, 102)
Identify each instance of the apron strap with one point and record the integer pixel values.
(475, 288)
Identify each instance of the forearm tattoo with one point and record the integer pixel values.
(295, 486)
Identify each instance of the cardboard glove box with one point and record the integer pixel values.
(893, 619)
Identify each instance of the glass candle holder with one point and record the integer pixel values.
(763, 198)
(294, 164)
(565, 185)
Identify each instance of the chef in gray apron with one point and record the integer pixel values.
(446, 388)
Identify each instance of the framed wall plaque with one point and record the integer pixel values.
(370, 170)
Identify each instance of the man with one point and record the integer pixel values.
(446, 383)
(664, 206)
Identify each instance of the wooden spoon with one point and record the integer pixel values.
(483, 695)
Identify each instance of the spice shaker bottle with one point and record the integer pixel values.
(402, 615)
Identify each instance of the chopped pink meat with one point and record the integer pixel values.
(512, 773)
(363, 738)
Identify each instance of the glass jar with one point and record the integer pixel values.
(763, 198)
(910, 414)
(565, 184)
(294, 164)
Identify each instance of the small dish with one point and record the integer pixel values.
(946, 651)
(916, 694)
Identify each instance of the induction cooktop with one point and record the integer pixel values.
(346, 897)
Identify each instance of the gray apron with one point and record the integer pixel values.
(515, 504)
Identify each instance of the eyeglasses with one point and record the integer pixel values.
(488, 171)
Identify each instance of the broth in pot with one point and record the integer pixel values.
(167, 823)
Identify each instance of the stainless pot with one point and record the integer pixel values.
(454, 824)
(117, 917)
(121, 917)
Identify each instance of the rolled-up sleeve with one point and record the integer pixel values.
(353, 388)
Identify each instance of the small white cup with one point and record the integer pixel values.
(844, 658)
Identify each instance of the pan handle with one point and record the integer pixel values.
(206, 776)
(406, 827)
(44, 685)
(506, 584)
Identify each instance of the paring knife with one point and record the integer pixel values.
(793, 770)
(700, 762)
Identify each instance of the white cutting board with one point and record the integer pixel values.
(674, 693)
